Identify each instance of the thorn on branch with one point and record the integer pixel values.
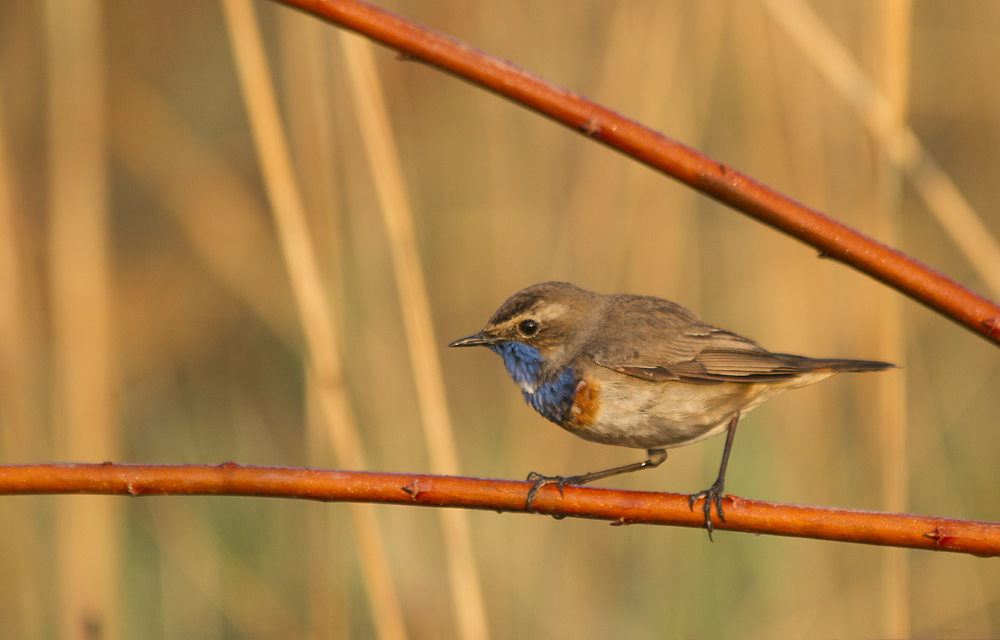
(591, 127)
(938, 536)
(992, 325)
(413, 489)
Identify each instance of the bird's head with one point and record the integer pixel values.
(539, 330)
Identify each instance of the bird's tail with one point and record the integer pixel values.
(841, 366)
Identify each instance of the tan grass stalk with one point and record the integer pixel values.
(18, 426)
(20, 432)
(884, 113)
(310, 297)
(306, 99)
(80, 269)
(897, 20)
(383, 159)
(900, 144)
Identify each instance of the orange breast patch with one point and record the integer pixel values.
(585, 404)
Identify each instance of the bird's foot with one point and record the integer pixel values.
(711, 495)
(540, 481)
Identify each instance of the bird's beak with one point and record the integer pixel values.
(479, 339)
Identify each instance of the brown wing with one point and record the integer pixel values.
(658, 340)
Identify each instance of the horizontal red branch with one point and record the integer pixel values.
(713, 178)
(619, 507)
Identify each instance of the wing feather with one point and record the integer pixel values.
(658, 340)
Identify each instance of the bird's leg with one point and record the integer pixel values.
(655, 458)
(714, 493)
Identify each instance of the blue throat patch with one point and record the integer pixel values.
(521, 361)
(552, 397)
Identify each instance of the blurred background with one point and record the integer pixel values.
(160, 303)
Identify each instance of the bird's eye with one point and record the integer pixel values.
(528, 328)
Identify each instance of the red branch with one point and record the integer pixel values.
(620, 507)
(833, 239)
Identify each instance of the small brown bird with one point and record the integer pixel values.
(638, 371)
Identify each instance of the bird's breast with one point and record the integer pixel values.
(553, 398)
(569, 400)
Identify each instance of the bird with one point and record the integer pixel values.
(638, 371)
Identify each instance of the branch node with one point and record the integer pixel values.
(591, 127)
(938, 536)
(413, 489)
(993, 326)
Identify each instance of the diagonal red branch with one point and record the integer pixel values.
(620, 507)
(833, 239)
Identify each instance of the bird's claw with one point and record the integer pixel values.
(711, 495)
(540, 481)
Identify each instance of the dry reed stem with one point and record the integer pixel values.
(833, 239)
(899, 143)
(307, 101)
(619, 507)
(317, 321)
(896, 18)
(383, 160)
(86, 427)
(20, 429)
